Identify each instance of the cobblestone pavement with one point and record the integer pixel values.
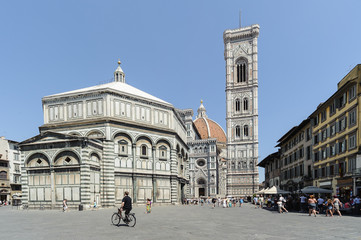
(176, 222)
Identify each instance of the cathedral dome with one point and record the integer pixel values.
(208, 128)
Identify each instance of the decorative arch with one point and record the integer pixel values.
(96, 134)
(66, 157)
(201, 181)
(146, 138)
(93, 156)
(120, 134)
(33, 160)
(75, 134)
(164, 141)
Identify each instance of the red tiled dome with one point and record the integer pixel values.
(208, 128)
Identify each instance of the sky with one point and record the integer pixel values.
(174, 51)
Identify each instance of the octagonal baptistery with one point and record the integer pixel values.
(100, 141)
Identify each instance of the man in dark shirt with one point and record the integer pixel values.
(126, 203)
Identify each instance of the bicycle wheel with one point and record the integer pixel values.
(115, 219)
(131, 220)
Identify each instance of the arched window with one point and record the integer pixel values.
(3, 175)
(238, 132)
(123, 147)
(144, 150)
(245, 104)
(241, 71)
(245, 130)
(238, 105)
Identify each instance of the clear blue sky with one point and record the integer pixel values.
(174, 50)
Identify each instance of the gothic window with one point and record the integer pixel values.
(245, 130)
(143, 150)
(3, 175)
(238, 132)
(241, 71)
(238, 105)
(123, 147)
(245, 104)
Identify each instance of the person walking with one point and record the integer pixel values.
(261, 201)
(320, 204)
(255, 200)
(283, 201)
(303, 203)
(65, 205)
(329, 208)
(225, 203)
(149, 205)
(240, 202)
(312, 205)
(337, 204)
(357, 204)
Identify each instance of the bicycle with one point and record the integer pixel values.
(118, 216)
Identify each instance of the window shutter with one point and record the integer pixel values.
(336, 145)
(336, 169)
(328, 132)
(345, 122)
(345, 145)
(320, 136)
(337, 126)
(328, 152)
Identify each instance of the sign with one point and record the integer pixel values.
(325, 183)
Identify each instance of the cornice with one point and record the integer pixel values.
(241, 33)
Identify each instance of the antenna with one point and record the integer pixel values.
(240, 19)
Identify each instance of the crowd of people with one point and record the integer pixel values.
(226, 202)
(309, 204)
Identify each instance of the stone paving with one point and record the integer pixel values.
(176, 222)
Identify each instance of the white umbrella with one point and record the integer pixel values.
(260, 191)
(313, 189)
(275, 190)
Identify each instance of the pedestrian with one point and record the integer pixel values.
(260, 200)
(225, 203)
(95, 204)
(283, 201)
(329, 208)
(337, 204)
(240, 202)
(214, 200)
(303, 203)
(357, 204)
(320, 204)
(255, 200)
(312, 205)
(65, 205)
(149, 205)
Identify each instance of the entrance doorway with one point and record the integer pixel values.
(201, 192)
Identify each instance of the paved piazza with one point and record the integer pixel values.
(176, 222)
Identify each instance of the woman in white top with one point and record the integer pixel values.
(337, 204)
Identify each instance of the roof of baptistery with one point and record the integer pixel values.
(208, 128)
(118, 86)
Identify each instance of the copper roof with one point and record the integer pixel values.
(208, 128)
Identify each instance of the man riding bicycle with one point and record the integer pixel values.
(126, 204)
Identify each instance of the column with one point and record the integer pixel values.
(107, 178)
(134, 148)
(174, 172)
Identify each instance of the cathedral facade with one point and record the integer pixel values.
(240, 53)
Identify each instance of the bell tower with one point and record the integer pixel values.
(240, 54)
